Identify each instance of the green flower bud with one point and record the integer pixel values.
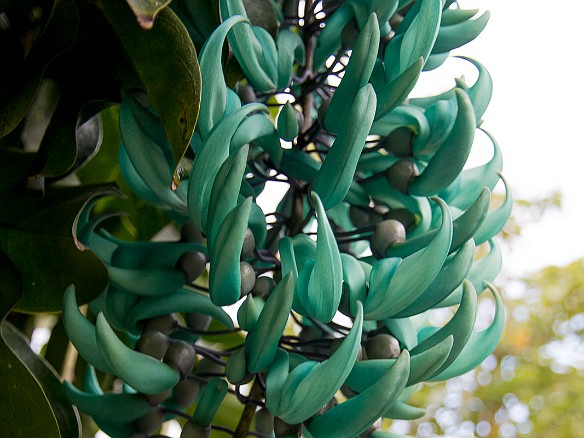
(387, 233)
(405, 216)
(198, 321)
(156, 399)
(165, 324)
(150, 422)
(249, 245)
(193, 264)
(264, 422)
(282, 429)
(180, 356)
(263, 287)
(189, 233)
(186, 391)
(359, 217)
(246, 93)
(399, 142)
(248, 278)
(191, 430)
(349, 34)
(153, 343)
(401, 174)
(382, 346)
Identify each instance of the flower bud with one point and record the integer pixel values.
(248, 278)
(193, 264)
(153, 343)
(181, 356)
(401, 174)
(382, 346)
(387, 233)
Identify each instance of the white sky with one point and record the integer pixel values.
(533, 53)
(532, 50)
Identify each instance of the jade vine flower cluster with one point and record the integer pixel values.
(381, 223)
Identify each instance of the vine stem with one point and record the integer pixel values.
(309, 44)
(244, 424)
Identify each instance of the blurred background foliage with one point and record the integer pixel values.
(532, 385)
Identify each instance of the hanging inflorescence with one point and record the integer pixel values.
(381, 222)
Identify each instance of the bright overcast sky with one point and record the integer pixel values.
(533, 51)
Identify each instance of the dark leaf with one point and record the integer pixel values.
(56, 36)
(36, 235)
(166, 62)
(261, 13)
(65, 415)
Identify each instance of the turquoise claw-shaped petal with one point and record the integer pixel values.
(140, 371)
(480, 345)
(356, 414)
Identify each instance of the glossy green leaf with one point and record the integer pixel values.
(147, 10)
(36, 236)
(175, 90)
(29, 384)
(55, 37)
(23, 397)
